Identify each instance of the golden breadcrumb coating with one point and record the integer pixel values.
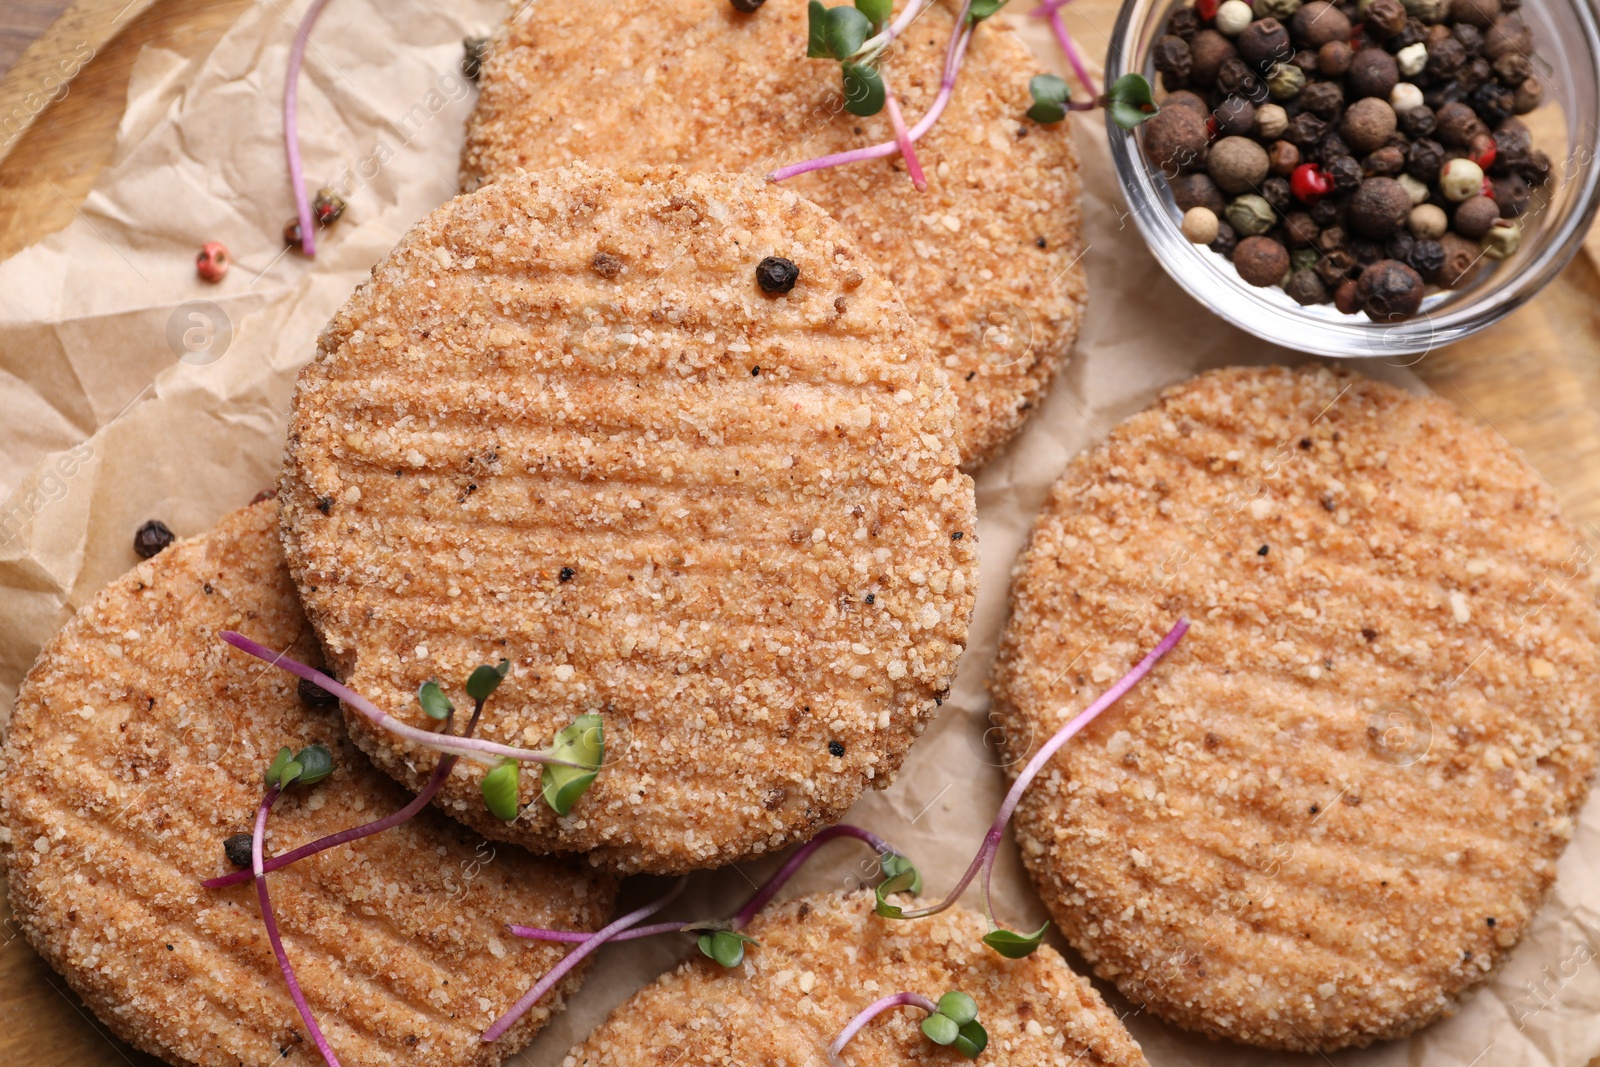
(822, 959)
(1334, 808)
(986, 259)
(563, 425)
(138, 746)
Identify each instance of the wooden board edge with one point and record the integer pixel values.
(44, 72)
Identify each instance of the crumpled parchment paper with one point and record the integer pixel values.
(131, 390)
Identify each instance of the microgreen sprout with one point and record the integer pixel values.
(1007, 943)
(1129, 100)
(724, 946)
(952, 1021)
(481, 684)
(304, 768)
(890, 862)
(577, 956)
(867, 91)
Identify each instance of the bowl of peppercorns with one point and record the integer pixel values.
(1362, 177)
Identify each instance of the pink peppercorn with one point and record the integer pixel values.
(211, 262)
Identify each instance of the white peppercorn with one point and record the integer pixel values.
(1272, 120)
(1460, 179)
(1405, 97)
(1415, 189)
(1232, 17)
(1427, 222)
(1200, 225)
(1412, 59)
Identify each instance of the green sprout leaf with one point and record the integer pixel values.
(845, 31)
(982, 9)
(817, 38)
(584, 742)
(316, 763)
(502, 788)
(958, 1007)
(1050, 96)
(971, 1040)
(434, 703)
(485, 680)
(893, 863)
(1130, 101)
(279, 764)
(863, 90)
(725, 946)
(900, 883)
(941, 1029)
(877, 11)
(1014, 946)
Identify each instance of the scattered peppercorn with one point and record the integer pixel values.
(1390, 291)
(327, 206)
(567, 574)
(746, 6)
(292, 236)
(776, 274)
(474, 51)
(313, 695)
(835, 749)
(151, 538)
(212, 261)
(239, 850)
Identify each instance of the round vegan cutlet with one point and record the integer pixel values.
(1334, 808)
(563, 425)
(138, 746)
(987, 259)
(821, 960)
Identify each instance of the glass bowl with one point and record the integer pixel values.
(1567, 61)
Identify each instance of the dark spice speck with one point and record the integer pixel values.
(237, 849)
(1263, 550)
(836, 749)
(776, 274)
(151, 538)
(567, 574)
(313, 695)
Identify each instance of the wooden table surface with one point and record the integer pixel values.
(1535, 377)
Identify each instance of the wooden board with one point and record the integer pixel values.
(1535, 377)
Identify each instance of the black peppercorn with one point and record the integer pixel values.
(313, 695)
(1334, 267)
(1366, 251)
(1183, 22)
(1324, 99)
(1282, 158)
(1445, 58)
(1468, 36)
(1300, 229)
(1537, 171)
(1399, 246)
(1511, 193)
(474, 50)
(776, 274)
(1227, 240)
(1390, 291)
(1417, 122)
(1308, 62)
(1332, 239)
(1426, 258)
(1327, 212)
(1305, 130)
(1275, 191)
(746, 6)
(1473, 73)
(835, 749)
(1513, 69)
(1494, 103)
(1304, 287)
(1172, 58)
(238, 848)
(1413, 32)
(1331, 148)
(151, 538)
(1344, 172)
(1424, 158)
(1235, 78)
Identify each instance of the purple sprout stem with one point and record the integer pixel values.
(1064, 39)
(291, 126)
(902, 137)
(953, 57)
(270, 921)
(991, 840)
(871, 1012)
(356, 833)
(1045, 9)
(471, 747)
(763, 896)
(575, 957)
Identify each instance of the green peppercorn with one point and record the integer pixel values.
(1285, 81)
(1250, 215)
